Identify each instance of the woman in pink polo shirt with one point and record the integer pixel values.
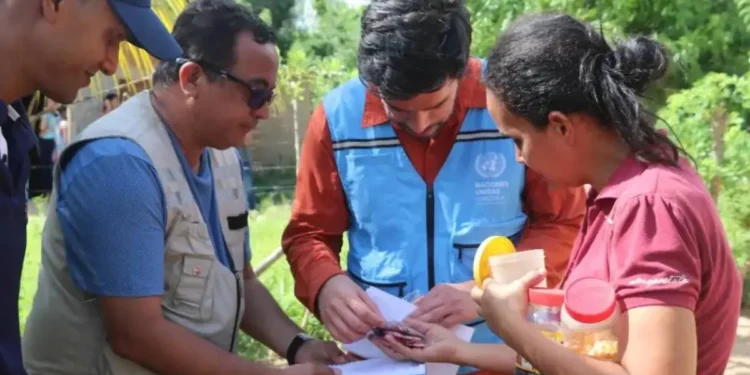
(570, 102)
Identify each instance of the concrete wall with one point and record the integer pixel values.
(272, 142)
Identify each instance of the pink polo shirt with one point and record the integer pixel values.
(655, 234)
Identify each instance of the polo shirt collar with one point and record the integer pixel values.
(22, 134)
(8, 112)
(12, 114)
(619, 181)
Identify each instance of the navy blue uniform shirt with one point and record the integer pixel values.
(16, 142)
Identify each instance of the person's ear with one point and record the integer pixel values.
(51, 9)
(562, 126)
(190, 75)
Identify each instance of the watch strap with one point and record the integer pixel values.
(294, 346)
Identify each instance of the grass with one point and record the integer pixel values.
(266, 226)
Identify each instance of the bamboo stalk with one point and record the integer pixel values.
(269, 261)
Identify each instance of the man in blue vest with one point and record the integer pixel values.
(407, 160)
(54, 46)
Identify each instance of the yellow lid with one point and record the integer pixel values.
(490, 247)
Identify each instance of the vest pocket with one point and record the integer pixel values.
(365, 178)
(190, 298)
(397, 289)
(466, 245)
(463, 267)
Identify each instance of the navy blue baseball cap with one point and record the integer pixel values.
(145, 29)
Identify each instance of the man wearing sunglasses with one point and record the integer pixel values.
(146, 255)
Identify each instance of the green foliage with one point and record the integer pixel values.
(335, 35)
(313, 77)
(743, 9)
(703, 36)
(326, 55)
(280, 15)
(723, 101)
(267, 226)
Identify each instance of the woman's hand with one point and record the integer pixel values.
(442, 344)
(504, 305)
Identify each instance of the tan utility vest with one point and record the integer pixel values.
(64, 333)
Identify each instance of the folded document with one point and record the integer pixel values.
(381, 366)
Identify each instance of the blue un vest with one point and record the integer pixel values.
(405, 236)
(13, 178)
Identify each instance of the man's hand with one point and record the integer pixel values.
(321, 352)
(346, 310)
(447, 305)
(308, 369)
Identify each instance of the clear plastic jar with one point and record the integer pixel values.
(545, 306)
(589, 318)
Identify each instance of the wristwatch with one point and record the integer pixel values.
(291, 352)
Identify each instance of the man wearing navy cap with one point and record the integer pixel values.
(145, 250)
(54, 46)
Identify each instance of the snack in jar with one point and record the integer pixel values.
(589, 317)
(544, 311)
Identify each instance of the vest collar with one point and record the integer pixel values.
(8, 112)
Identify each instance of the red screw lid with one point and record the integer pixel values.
(590, 300)
(546, 297)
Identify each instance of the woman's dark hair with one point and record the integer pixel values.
(553, 62)
(411, 47)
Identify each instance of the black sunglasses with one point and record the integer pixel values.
(259, 97)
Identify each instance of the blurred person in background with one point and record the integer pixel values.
(110, 102)
(49, 127)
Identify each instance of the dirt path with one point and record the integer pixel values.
(739, 364)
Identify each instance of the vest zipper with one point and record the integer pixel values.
(430, 239)
(238, 288)
(237, 279)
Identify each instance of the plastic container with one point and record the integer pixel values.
(545, 306)
(589, 319)
(508, 268)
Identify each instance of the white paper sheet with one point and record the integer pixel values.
(381, 366)
(395, 309)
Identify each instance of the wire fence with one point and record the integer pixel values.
(271, 186)
(267, 185)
